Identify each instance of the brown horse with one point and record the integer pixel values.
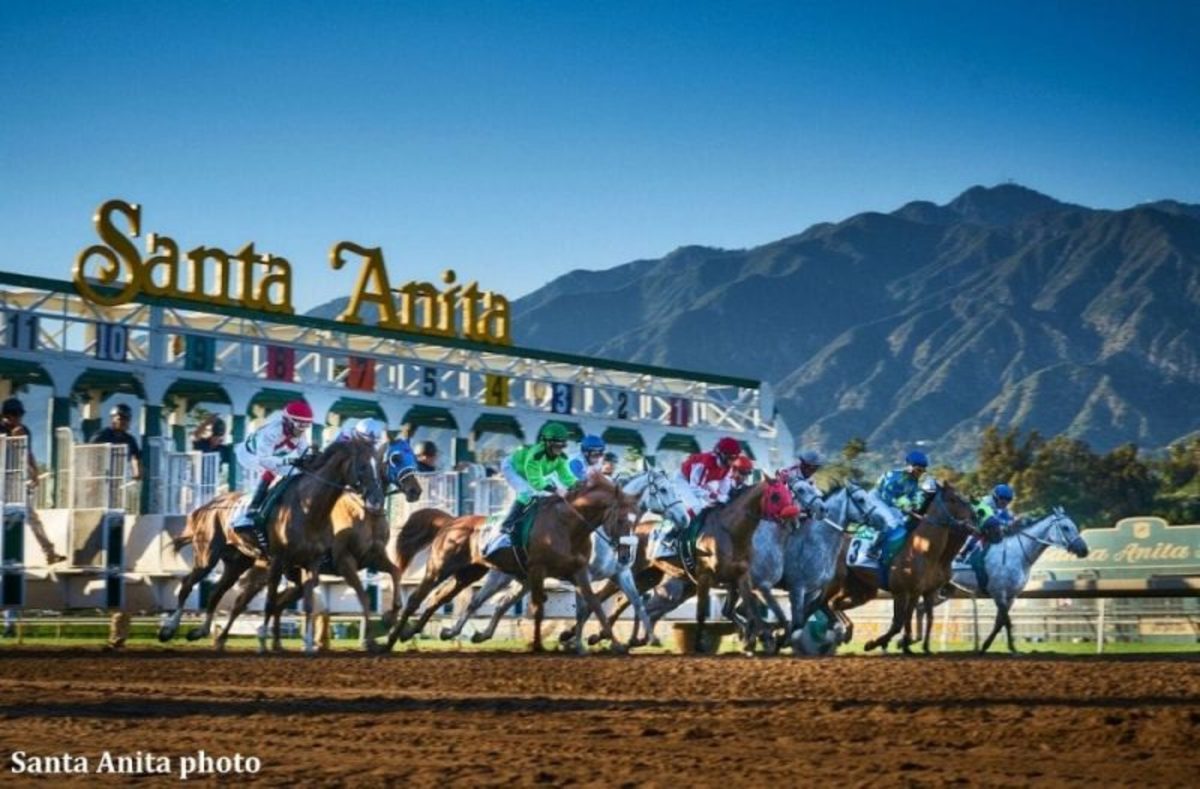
(921, 567)
(724, 544)
(559, 547)
(360, 536)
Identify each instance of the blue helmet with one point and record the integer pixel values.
(917, 458)
(592, 444)
(1003, 491)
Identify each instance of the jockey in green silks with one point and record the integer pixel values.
(536, 469)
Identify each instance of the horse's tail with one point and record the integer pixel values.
(418, 532)
(204, 518)
(184, 539)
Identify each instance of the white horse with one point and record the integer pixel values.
(1007, 565)
(803, 561)
(609, 560)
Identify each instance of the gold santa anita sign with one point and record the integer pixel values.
(263, 282)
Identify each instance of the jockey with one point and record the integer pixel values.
(590, 457)
(899, 490)
(703, 479)
(371, 430)
(739, 471)
(608, 466)
(536, 469)
(994, 517)
(808, 463)
(266, 454)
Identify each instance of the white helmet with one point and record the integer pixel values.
(373, 430)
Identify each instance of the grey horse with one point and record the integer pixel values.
(1007, 566)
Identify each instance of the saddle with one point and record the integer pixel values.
(516, 528)
(274, 494)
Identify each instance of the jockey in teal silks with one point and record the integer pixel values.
(536, 469)
(900, 491)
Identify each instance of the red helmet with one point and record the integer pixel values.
(728, 446)
(299, 412)
(743, 464)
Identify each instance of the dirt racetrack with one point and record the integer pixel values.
(501, 718)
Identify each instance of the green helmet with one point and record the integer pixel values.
(554, 432)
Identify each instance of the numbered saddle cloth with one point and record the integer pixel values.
(860, 546)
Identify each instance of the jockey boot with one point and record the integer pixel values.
(252, 537)
(509, 525)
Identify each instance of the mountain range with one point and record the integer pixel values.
(925, 324)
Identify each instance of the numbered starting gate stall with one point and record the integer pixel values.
(167, 332)
(14, 467)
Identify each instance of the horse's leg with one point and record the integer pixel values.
(641, 618)
(498, 612)
(347, 567)
(310, 575)
(254, 585)
(767, 593)
(1008, 626)
(274, 574)
(583, 586)
(929, 605)
(797, 597)
(400, 629)
(234, 569)
(702, 606)
(537, 602)
(393, 570)
(759, 624)
(608, 590)
(195, 576)
(493, 582)
(896, 626)
(293, 592)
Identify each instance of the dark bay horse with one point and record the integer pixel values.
(724, 540)
(921, 566)
(560, 545)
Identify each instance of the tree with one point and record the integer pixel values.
(854, 448)
(1124, 484)
(1063, 474)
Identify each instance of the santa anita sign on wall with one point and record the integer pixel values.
(114, 272)
(1134, 548)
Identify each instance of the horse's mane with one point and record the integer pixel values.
(737, 494)
(336, 452)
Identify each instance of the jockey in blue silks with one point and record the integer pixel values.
(994, 518)
(590, 457)
(899, 490)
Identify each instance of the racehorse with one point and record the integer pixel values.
(921, 566)
(1007, 566)
(559, 547)
(299, 529)
(803, 560)
(724, 540)
(655, 492)
(207, 532)
(360, 536)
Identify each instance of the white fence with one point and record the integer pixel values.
(99, 478)
(438, 489)
(14, 470)
(189, 479)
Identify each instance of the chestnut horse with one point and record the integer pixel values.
(921, 566)
(560, 545)
(724, 544)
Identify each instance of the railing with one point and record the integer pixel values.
(14, 470)
(183, 481)
(438, 489)
(493, 496)
(98, 478)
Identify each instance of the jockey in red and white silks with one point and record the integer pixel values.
(265, 455)
(703, 478)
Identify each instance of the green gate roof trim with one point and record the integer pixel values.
(497, 423)
(429, 416)
(680, 442)
(624, 436)
(61, 286)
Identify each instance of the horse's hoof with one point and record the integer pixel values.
(407, 632)
(447, 634)
(594, 639)
(637, 642)
(536, 647)
(567, 636)
(196, 633)
(617, 648)
(165, 634)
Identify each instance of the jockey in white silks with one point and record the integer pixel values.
(373, 431)
(589, 459)
(266, 455)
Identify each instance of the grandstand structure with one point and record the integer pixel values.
(70, 357)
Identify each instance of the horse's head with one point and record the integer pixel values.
(1063, 532)
(777, 502)
(806, 495)
(950, 508)
(355, 465)
(401, 469)
(655, 492)
(603, 505)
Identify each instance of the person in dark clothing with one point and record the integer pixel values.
(427, 456)
(117, 432)
(209, 435)
(12, 416)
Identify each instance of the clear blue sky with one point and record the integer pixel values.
(516, 141)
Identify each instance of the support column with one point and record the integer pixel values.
(240, 395)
